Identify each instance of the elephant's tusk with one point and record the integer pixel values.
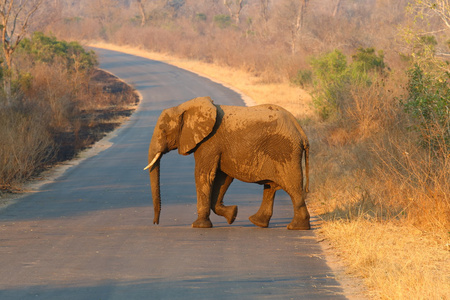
(153, 161)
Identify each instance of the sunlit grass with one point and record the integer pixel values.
(396, 262)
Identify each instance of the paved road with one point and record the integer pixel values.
(89, 234)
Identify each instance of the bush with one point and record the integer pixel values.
(303, 78)
(222, 21)
(201, 17)
(428, 102)
(48, 49)
(366, 60)
(332, 76)
(26, 145)
(335, 78)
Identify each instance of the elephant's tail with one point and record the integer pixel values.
(306, 148)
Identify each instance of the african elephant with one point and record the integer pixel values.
(261, 144)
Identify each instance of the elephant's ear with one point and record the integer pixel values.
(199, 118)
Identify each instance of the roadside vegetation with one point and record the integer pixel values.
(369, 82)
(58, 105)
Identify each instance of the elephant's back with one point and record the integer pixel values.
(265, 115)
(258, 126)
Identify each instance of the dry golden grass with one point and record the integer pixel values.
(355, 194)
(396, 262)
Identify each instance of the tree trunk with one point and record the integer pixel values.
(142, 11)
(298, 25)
(8, 75)
(237, 14)
(336, 8)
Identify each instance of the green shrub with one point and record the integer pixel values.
(200, 17)
(222, 21)
(334, 77)
(303, 78)
(330, 67)
(367, 64)
(48, 49)
(428, 102)
(366, 60)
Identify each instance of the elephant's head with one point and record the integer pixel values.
(181, 127)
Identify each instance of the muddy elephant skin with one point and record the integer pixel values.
(262, 144)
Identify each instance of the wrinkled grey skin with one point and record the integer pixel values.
(262, 144)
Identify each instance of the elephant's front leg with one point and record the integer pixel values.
(204, 178)
(221, 185)
(262, 217)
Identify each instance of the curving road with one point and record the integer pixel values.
(89, 234)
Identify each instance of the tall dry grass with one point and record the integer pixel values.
(26, 145)
(56, 113)
(395, 261)
(378, 160)
(383, 195)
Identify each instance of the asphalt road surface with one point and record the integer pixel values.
(89, 234)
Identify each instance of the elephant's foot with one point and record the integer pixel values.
(260, 221)
(230, 213)
(202, 223)
(299, 225)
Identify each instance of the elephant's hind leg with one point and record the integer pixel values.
(262, 217)
(301, 214)
(221, 184)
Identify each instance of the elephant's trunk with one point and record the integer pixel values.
(156, 193)
(155, 152)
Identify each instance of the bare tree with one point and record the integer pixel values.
(141, 5)
(264, 10)
(298, 23)
(174, 6)
(427, 8)
(432, 52)
(291, 17)
(235, 8)
(337, 6)
(15, 18)
(104, 11)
